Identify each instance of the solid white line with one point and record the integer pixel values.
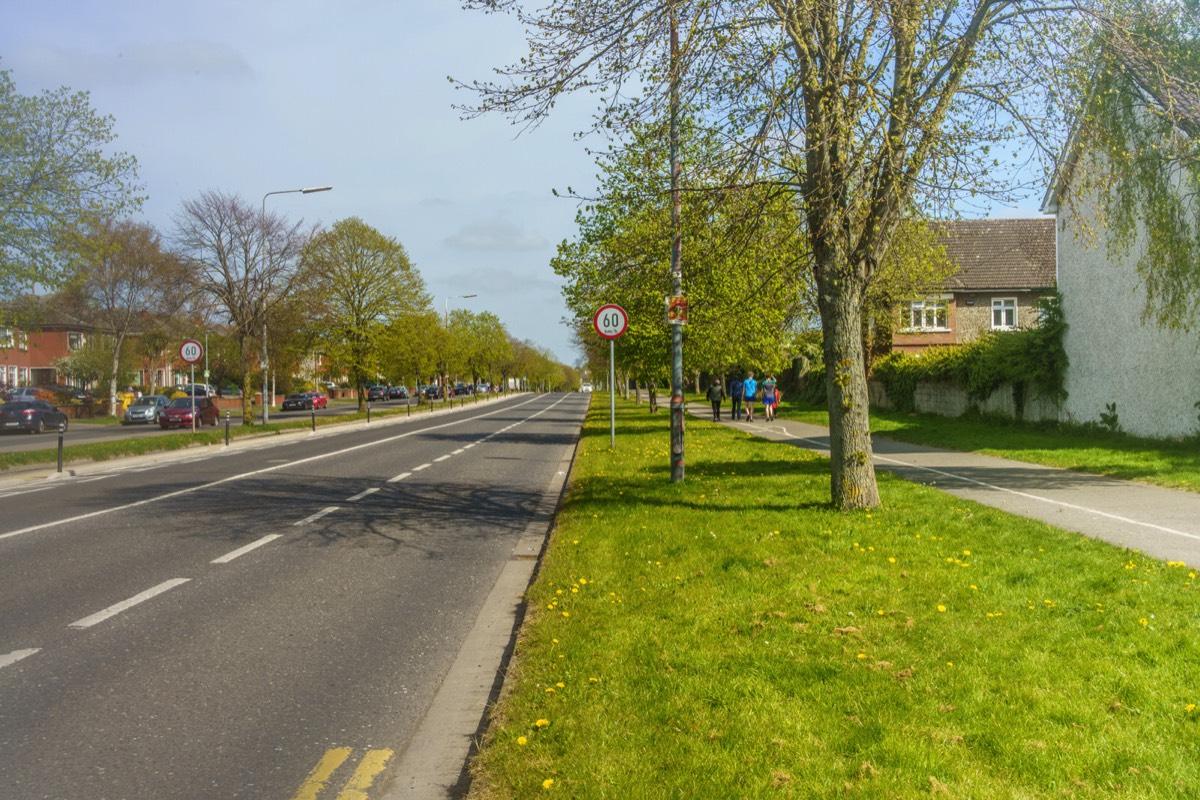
(362, 494)
(423, 466)
(1027, 495)
(264, 470)
(441, 458)
(17, 655)
(1040, 499)
(241, 551)
(399, 477)
(124, 605)
(318, 515)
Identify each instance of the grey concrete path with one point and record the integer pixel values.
(1162, 523)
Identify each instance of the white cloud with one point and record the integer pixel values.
(493, 235)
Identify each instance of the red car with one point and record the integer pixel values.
(179, 413)
(319, 400)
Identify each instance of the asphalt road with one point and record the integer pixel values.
(272, 620)
(89, 433)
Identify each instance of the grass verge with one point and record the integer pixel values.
(732, 636)
(1162, 462)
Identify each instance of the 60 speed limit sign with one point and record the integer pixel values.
(610, 321)
(191, 351)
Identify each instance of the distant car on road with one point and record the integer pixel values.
(33, 416)
(145, 409)
(586, 387)
(376, 393)
(179, 413)
(433, 392)
(304, 401)
(397, 393)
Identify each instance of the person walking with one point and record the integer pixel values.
(737, 391)
(716, 393)
(750, 390)
(770, 397)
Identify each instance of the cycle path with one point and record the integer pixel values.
(1162, 523)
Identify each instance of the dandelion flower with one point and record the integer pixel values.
(546, 784)
(521, 740)
(941, 608)
(541, 723)
(1190, 707)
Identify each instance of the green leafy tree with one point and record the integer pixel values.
(1136, 149)
(129, 280)
(863, 111)
(57, 179)
(367, 285)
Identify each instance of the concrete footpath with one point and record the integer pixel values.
(1162, 523)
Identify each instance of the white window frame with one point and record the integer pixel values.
(75, 341)
(7, 339)
(920, 313)
(999, 306)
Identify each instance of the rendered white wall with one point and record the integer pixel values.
(1152, 375)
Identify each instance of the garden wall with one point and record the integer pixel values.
(947, 400)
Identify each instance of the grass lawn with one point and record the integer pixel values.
(1175, 464)
(731, 636)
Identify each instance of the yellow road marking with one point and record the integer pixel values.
(372, 764)
(321, 773)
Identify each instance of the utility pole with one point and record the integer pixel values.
(677, 404)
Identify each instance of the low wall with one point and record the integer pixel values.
(947, 400)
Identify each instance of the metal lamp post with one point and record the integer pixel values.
(266, 404)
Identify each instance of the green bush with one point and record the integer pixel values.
(1029, 359)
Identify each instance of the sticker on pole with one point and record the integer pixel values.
(191, 351)
(610, 321)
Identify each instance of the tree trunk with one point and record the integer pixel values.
(112, 380)
(852, 468)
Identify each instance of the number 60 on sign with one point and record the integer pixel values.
(610, 321)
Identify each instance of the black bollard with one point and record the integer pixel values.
(314, 417)
(227, 428)
(62, 432)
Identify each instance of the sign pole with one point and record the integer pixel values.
(610, 322)
(612, 398)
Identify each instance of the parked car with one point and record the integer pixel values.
(179, 413)
(145, 409)
(376, 393)
(397, 393)
(34, 416)
(433, 392)
(304, 401)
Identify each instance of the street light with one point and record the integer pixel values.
(446, 376)
(266, 415)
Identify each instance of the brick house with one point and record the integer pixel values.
(27, 357)
(1004, 266)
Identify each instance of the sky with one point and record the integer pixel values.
(257, 96)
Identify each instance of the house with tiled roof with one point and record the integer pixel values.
(1003, 267)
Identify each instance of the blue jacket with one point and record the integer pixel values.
(737, 389)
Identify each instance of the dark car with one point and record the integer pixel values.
(377, 393)
(145, 409)
(433, 392)
(34, 416)
(179, 413)
(304, 401)
(397, 393)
